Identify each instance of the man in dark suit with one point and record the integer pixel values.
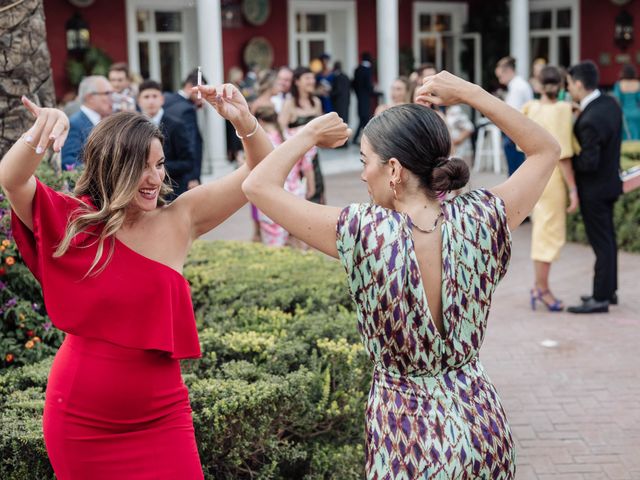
(363, 87)
(341, 92)
(94, 93)
(597, 170)
(177, 146)
(183, 105)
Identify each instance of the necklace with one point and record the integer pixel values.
(432, 229)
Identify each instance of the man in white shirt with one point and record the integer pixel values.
(519, 92)
(598, 129)
(95, 94)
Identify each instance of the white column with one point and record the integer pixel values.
(387, 30)
(210, 49)
(519, 36)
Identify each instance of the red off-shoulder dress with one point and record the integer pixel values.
(116, 406)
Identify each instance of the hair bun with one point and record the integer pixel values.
(449, 174)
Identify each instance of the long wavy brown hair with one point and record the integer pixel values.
(114, 158)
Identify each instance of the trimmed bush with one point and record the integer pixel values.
(232, 275)
(281, 389)
(625, 217)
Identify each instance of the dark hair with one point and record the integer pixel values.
(507, 62)
(551, 80)
(295, 93)
(419, 139)
(119, 67)
(149, 85)
(192, 78)
(115, 156)
(587, 73)
(365, 57)
(628, 72)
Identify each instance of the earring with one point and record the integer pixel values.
(393, 187)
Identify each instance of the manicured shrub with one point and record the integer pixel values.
(280, 391)
(232, 275)
(625, 218)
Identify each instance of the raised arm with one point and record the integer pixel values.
(20, 162)
(521, 191)
(310, 222)
(210, 204)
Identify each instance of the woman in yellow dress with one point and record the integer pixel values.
(549, 214)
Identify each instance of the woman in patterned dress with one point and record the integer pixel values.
(422, 274)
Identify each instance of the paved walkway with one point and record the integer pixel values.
(570, 384)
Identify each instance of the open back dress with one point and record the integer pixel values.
(432, 412)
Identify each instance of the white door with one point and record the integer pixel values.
(323, 26)
(554, 32)
(162, 40)
(436, 25)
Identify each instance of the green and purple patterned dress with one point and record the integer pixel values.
(432, 412)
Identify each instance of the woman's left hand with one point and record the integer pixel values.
(227, 100)
(328, 130)
(574, 201)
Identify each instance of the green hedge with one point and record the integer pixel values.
(626, 217)
(281, 389)
(232, 275)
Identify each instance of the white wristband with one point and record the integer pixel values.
(249, 134)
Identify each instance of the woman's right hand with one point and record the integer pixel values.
(51, 125)
(329, 131)
(444, 89)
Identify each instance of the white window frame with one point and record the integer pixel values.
(154, 38)
(305, 37)
(554, 33)
(323, 6)
(459, 13)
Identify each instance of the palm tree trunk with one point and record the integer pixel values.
(25, 67)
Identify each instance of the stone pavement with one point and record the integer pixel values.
(570, 384)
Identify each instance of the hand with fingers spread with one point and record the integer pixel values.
(227, 100)
(50, 128)
(329, 131)
(444, 89)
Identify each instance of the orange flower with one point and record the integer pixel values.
(30, 344)
(2, 248)
(9, 357)
(36, 339)
(6, 243)
(10, 261)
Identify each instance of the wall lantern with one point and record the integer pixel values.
(623, 33)
(77, 34)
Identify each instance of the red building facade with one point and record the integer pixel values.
(426, 29)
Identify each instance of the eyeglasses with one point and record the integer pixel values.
(103, 93)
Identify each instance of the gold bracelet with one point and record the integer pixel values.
(249, 134)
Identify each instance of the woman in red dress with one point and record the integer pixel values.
(109, 259)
